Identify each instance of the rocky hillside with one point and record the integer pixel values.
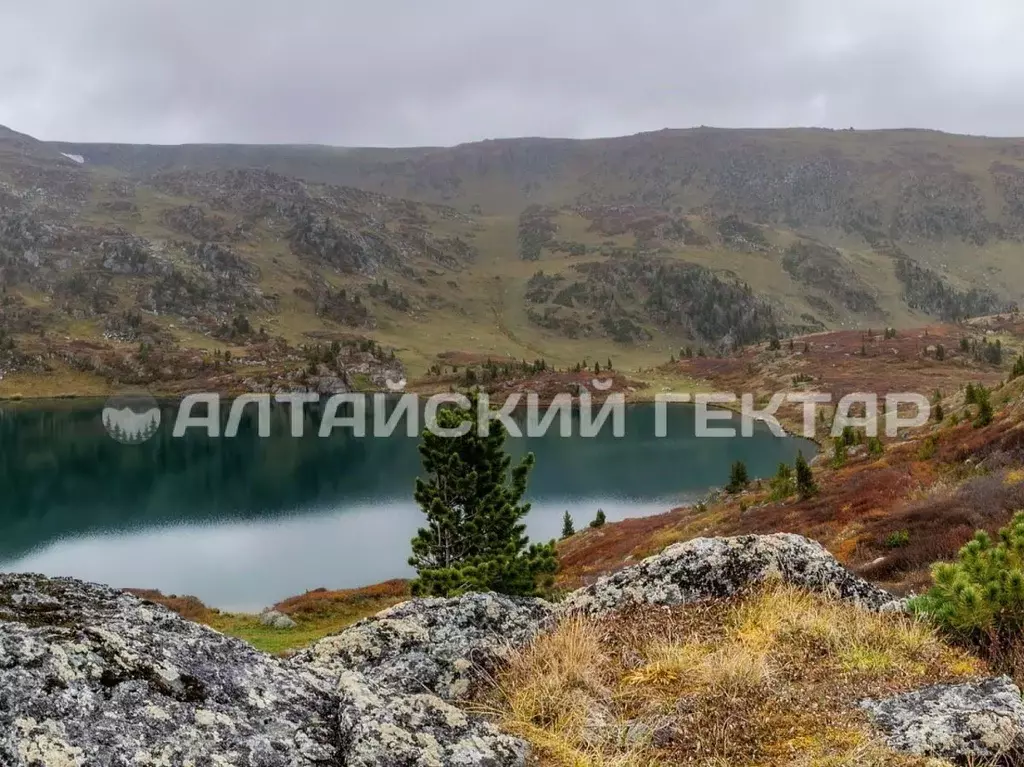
(92, 676)
(629, 247)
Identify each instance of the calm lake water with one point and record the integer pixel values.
(244, 522)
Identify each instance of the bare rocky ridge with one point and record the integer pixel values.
(92, 676)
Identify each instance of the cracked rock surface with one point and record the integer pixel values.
(93, 676)
(441, 646)
(969, 723)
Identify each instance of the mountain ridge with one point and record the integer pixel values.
(627, 247)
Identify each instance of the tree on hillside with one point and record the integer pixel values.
(738, 478)
(1018, 367)
(568, 528)
(981, 595)
(970, 395)
(782, 483)
(599, 519)
(475, 538)
(984, 402)
(805, 485)
(839, 453)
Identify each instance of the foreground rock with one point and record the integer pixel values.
(441, 646)
(384, 728)
(708, 568)
(972, 723)
(90, 676)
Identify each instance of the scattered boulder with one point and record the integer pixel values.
(708, 568)
(971, 723)
(442, 646)
(276, 620)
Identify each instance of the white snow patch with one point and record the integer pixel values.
(76, 157)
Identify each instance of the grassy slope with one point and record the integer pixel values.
(316, 613)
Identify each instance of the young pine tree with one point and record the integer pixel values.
(805, 485)
(839, 453)
(970, 395)
(599, 519)
(475, 538)
(782, 484)
(738, 478)
(568, 529)
(981, 595)
(1018, 367)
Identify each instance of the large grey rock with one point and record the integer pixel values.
(92, 676)
(442, 646)
(388, 729)
(276, 620)
(708, 568)
(970, 723)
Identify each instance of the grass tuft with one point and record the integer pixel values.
(771, 678)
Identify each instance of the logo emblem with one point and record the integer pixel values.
(131, 418)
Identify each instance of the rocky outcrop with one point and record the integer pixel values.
(441, 646)
(707, 568)
(971, 723)
(91, 677)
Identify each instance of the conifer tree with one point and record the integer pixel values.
(839, 453)
(981, 595)
(599, 519)
(782, 483)
(568, 529)
(475, 538)
(805, 485)
(875, 447)
(738, 478)
(1018, 367)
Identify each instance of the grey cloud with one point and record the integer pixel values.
(410, 73)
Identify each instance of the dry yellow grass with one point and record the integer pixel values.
(769, 679)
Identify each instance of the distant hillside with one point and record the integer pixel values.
(628, 247)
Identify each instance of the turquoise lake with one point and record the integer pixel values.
(243, 522)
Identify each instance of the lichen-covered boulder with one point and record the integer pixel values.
(969, 723)
(276, 620)
(442, 646)
(708, 568)
(388, 729)
(92, 676)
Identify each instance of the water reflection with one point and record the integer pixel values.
(244, 521)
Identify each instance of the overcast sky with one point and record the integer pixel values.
(415, 72)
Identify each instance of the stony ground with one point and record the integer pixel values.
(641, 667)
